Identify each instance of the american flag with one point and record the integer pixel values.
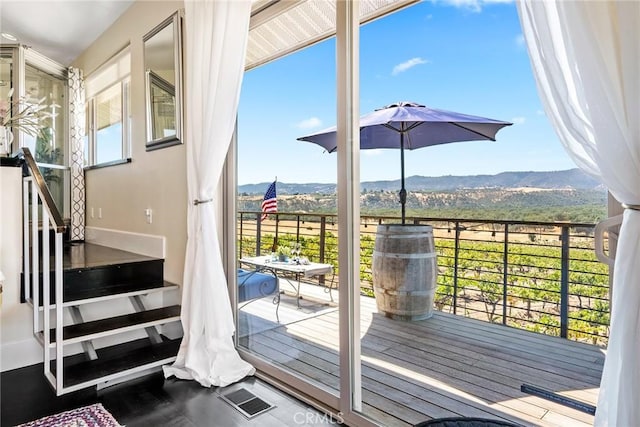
(270, 203)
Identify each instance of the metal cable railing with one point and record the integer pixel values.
(540, 276)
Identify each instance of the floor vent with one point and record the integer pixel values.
(246, 402)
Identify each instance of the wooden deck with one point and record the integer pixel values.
(441, 367)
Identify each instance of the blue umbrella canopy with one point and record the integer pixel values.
(407, 125)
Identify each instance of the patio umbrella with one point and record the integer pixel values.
(407, 125)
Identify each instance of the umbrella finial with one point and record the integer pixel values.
(402, 104)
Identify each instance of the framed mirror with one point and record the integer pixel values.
(163, 79)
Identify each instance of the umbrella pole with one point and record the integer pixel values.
(403, 192)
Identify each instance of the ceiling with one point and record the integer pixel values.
(61, 30)
(282, 27)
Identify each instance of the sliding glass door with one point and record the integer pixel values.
(297, 267)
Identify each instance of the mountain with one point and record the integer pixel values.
(567, 179)
(284, 188)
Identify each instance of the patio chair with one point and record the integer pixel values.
(331, 286)
(254, 285)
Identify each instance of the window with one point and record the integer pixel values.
(45, 88)
(108, 112)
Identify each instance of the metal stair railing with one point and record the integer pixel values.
(35, 194)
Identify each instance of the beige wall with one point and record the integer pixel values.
(154, 179)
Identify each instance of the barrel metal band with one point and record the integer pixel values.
(404, 256)
(406, 236)
(632, 207)
(410, 294)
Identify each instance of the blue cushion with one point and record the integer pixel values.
(253, 284)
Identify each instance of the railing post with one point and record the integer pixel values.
(455, 268)
(564, 283)
(240, 244)
(297, 228)
(26, 188)
(275, 239)
(59, 316)
(505, 274)
(323, 230)
(46, 293)
(258, 233)
(35, 259)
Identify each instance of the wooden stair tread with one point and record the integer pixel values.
(108, 294)
(118, 359)
(117, 323)
(88, 255)
(166, 286)
(84, 256)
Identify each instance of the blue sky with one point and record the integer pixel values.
(460, 55)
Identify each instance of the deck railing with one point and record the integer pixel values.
(540, 276)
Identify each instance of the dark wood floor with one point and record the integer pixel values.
(149, 401)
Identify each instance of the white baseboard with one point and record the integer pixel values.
(143, 244)
(18, 354)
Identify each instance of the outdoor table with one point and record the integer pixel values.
(288, 269)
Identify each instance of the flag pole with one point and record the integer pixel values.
(275, 237)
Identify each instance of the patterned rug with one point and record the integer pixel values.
(88, 416)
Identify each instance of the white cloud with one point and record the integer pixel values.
(310, 123)
(540, 112)
(520, 40)
(472, 5)
(404, 66)
(518, 120)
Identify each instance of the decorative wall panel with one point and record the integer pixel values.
(76, 139)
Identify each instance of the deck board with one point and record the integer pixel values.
(439, 364)
(483, 364)
(491, 359)
(444, 366)
(457, 341)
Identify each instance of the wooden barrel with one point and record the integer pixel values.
(405, 271)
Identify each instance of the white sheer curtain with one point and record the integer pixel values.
(216, 40)
(586, 60)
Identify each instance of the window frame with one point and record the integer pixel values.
(116, 71)
(91, 109)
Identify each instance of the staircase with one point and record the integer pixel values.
(97, 275)
(65, 282)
